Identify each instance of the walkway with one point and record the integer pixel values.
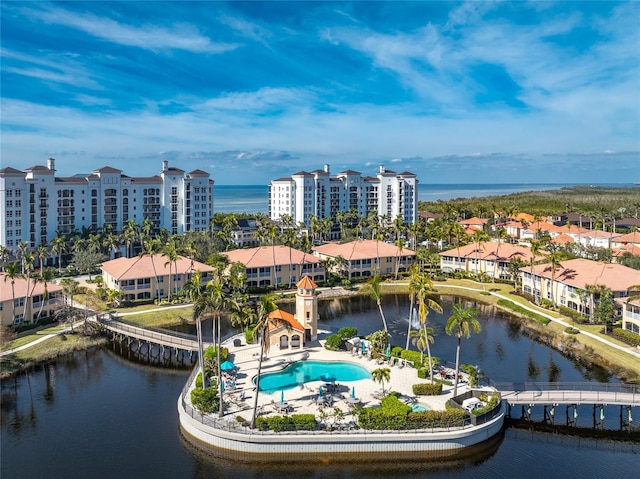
(627, 349)
(569, 393)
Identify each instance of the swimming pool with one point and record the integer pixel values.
(418, 407)
(302, 372)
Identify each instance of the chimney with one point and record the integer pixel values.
(381, 168)
(51, 164)
(326, 168)
(165, 165)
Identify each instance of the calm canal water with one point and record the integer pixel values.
(99, 415)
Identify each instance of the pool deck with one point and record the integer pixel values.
(303, 399)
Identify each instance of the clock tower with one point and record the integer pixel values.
(307, 308)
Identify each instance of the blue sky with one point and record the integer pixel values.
(456, 92)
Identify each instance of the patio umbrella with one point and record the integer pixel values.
(364, 347)
(387, 351)
(282, 396)
(353, 392)
(227, 366)
(320, 391)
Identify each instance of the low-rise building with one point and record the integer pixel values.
(13, 298)
(631, 315)
(491, 258)
(151, 276)
(276, 265)
(571, 283)
(366, 257)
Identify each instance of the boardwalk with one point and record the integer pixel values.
(174, 340)
(569, 393)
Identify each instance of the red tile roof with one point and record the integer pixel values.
(362, 249)
(581, 272)
(264, 256)
(285, 316)
(20, 288)
(306, 283)
(141, 267)
(491, 251)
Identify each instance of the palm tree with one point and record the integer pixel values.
(12, 272)
(27, 260)
(69, 289)
(461, 322)
(374, 290)
(264, 308)
(413, 287)
(426, 302)
(400, 245)
(273, 234)
(151, 247)
(4, 255)
(555, 259)
(46, 276)
(381, 375)
(129, 235)
(42, 253)
(171, 253)
(288, 238)
(535, 248)
(421, 339)
(501, 234)
(479, 237)
(59, 247)
(194, 293)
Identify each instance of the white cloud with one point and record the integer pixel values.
(179, 36)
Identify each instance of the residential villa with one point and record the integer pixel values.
(491, 258)
(572, 279)
(631, 315)
(36, 306)
(474, 224)
(367, 257)
(290, 265)
(136, 277)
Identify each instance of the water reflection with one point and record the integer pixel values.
(228, 464)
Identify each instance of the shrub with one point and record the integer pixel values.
(396, 351)
(570, 330)
(333, 342)
(427, 389)
(248, 334)
(205, 400)
(413, 356)
(546, 303)
(347, 332)
(295, 422)
(199, 381)
(626, 336)
(435, 419)
(423, 373)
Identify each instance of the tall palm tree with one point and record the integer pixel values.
(43, 254)
(129, 235)
(501, 233)
(194, 293)
(555, 260)
(426, 302)
(479, 238)
(151, 248)
(375, 291)
(535, 249)
(4, 255)
(461, 322)
(288, 238)
(400, 245)
(11, 273)
(46, 276)
(59, 247)
(171, 253)
(69, 289)
(273, 235)
(264, 307)
(414, 278)
(27, 260)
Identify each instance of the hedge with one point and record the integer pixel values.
(295, 422)
(436, 419)
(505, 303)
(205, 400)
(626, 336)
(573, 314)
(427, 389)
(333, 342)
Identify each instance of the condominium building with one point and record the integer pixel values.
(317, 193)
(36, 205)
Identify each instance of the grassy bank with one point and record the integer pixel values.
(580, 346)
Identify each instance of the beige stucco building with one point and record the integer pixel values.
(35, 303)
(276, 265)
(136, 277)
(631, 315)
(364, 258)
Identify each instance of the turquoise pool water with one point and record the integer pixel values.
(417, 407)
(302, 372)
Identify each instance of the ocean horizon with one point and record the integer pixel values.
(255, 198)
